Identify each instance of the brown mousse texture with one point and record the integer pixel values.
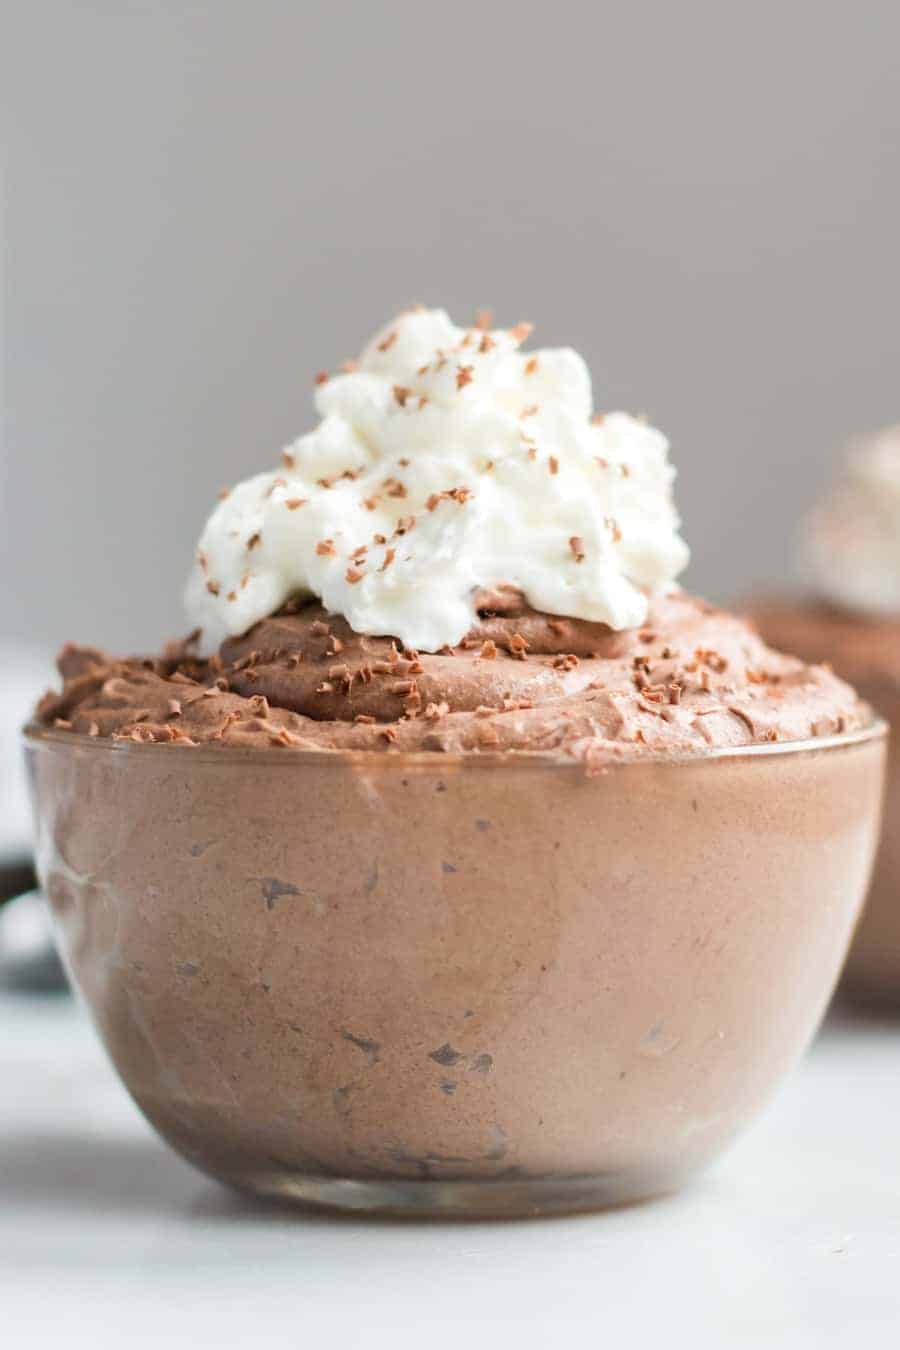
(692, 678)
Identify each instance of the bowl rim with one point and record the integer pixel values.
(35, 735)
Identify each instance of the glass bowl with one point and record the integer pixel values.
(435, 984)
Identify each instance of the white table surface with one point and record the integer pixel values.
(108, 1239)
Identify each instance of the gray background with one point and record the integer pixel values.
(204, 204)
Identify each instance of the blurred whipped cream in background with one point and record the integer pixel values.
(850, 542)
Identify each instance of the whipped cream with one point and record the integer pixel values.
(447, 460)
(851, 541)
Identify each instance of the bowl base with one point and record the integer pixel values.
(504, 1198)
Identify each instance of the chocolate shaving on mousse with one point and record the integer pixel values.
(574, 688)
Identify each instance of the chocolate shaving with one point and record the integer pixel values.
(284, 737)
(743, 717)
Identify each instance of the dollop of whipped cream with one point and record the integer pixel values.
(850, 543)
(447, 460)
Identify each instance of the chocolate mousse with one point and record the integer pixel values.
(458, 861)
(462, 556)
(692, 677)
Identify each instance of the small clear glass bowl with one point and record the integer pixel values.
(433, 984)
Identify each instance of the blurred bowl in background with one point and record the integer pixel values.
(28, 958)
(866, 652)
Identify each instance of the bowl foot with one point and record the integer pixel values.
(504, 1198)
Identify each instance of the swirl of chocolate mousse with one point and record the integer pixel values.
(691, 678)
